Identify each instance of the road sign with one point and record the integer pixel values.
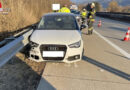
(55, 6)
(1, 9)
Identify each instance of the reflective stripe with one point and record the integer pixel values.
(84, 13)
(93, 12)
(63, 10)
(92, 19)
(90, 28)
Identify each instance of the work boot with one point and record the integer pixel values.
(89, 32)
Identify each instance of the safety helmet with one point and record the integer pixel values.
(93, 4)
(84, 9)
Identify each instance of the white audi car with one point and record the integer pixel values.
(57, 38)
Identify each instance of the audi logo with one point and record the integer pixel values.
(53, 48)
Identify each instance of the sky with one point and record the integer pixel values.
(80, 1)
(77, 1)
(104, 2)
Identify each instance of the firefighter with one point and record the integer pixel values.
(84, 15)
(91, 18)
(64, 9)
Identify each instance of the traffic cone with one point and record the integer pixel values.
(127, 37)
(128, 28)
(99, 23)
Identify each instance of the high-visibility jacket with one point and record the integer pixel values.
(84, 14)
(64, 10)
(91, 15)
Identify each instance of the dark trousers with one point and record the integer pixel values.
(83, 20)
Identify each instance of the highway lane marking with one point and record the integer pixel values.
(114, 45)
(81, 78)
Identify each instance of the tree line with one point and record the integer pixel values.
(113, 6)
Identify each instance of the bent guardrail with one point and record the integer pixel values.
(10, 49)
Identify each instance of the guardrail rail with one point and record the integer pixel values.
(115, 15)
(10, 46)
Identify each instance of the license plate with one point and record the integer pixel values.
(53, 54)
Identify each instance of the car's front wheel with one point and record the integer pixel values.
(82, 54)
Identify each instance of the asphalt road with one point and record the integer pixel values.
(102, 67)
(114, 31)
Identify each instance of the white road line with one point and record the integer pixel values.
(113, 45)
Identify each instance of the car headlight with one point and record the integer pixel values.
(33, 44)
(75, 45)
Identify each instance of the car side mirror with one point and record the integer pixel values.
(34, 27)
(82, 27)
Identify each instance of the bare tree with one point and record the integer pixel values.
(114, 7)
(98, 7)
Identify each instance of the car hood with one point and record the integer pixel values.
(55, 36)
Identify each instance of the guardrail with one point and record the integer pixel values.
(115, 15)
(10, 46)
(7, 40)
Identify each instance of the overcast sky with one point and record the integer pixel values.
(84, 0)
(91, 0)
(104, 2)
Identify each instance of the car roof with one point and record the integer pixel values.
(59, 14)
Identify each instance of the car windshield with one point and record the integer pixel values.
(58, 22)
